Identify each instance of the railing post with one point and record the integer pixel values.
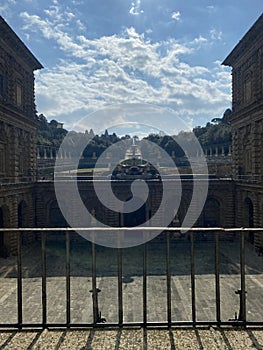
(19, 280)
(217, 279)
(68, 276)
(120, 296)
(95, 291)
(193, 277)
(94, 286)
(168, 279)
(242, 311)
(145, 285)
(44, 278)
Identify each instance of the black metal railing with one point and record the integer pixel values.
(98, 321)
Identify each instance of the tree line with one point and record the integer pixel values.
(217, 132)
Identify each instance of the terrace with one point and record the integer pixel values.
(85, 296)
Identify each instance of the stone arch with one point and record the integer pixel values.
(212, 212)
(135, 218)
(2, 241)
(179, 214)
(183, 208)
(93, 216)
(22, 217)
(249, 217)
(55, 217)
(4, 222)
(249, 213)
(5, 217)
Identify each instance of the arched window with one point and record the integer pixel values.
(249, 213)
(212, 213)
(137, 217)
(56, 218)
(249, 217)
(22, 214)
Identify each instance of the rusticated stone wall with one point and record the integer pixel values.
(18, 123)
(246, 60)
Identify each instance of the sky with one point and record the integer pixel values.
(100, 53)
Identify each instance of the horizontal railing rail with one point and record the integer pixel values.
(98, 320)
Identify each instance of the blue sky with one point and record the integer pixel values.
(98, 53)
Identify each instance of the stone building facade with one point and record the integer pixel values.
(246, 60)
(26, 202)
(18, 123)
(218, 210)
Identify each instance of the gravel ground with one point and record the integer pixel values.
(133, 339)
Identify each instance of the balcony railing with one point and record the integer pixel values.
(170, 246)
(250, 178)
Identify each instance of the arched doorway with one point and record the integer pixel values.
(1, 233)
(22, 214)
(211, 213)
(4, 249)
(249, 217)
(56, 219)
(137, 217)
(22, 218)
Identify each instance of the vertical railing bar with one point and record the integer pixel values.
(193, 277)
(94, 286)
(120, 295)
(44, 278)
(243, 278)
(19, 280)
(217, 278)
(144, 284)
(68, 276)
(168, 278)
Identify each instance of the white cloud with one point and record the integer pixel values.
(211, 8)
(123, 69)
(199, 40)
(81, 26)
(5, 8)
(132, 33)
(216, 34)
(60, 17)
(51, 11)
(135, 9)
(176, 15)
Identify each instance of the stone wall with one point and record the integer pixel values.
(220, 192)
(246, 60)
(18, 123)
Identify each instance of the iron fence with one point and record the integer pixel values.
(98, 320)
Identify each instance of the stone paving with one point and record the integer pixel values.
(205, 338)
(81, 301)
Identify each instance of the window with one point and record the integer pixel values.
(2, 159)
(248, 88)
(18, 94)
(3, 87)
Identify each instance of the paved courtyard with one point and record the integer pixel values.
(81, 267)
(134, 339)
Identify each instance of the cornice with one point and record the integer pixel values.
(9, 37)
(245, 45)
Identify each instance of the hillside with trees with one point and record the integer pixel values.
(49, 134)
(215, 133)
